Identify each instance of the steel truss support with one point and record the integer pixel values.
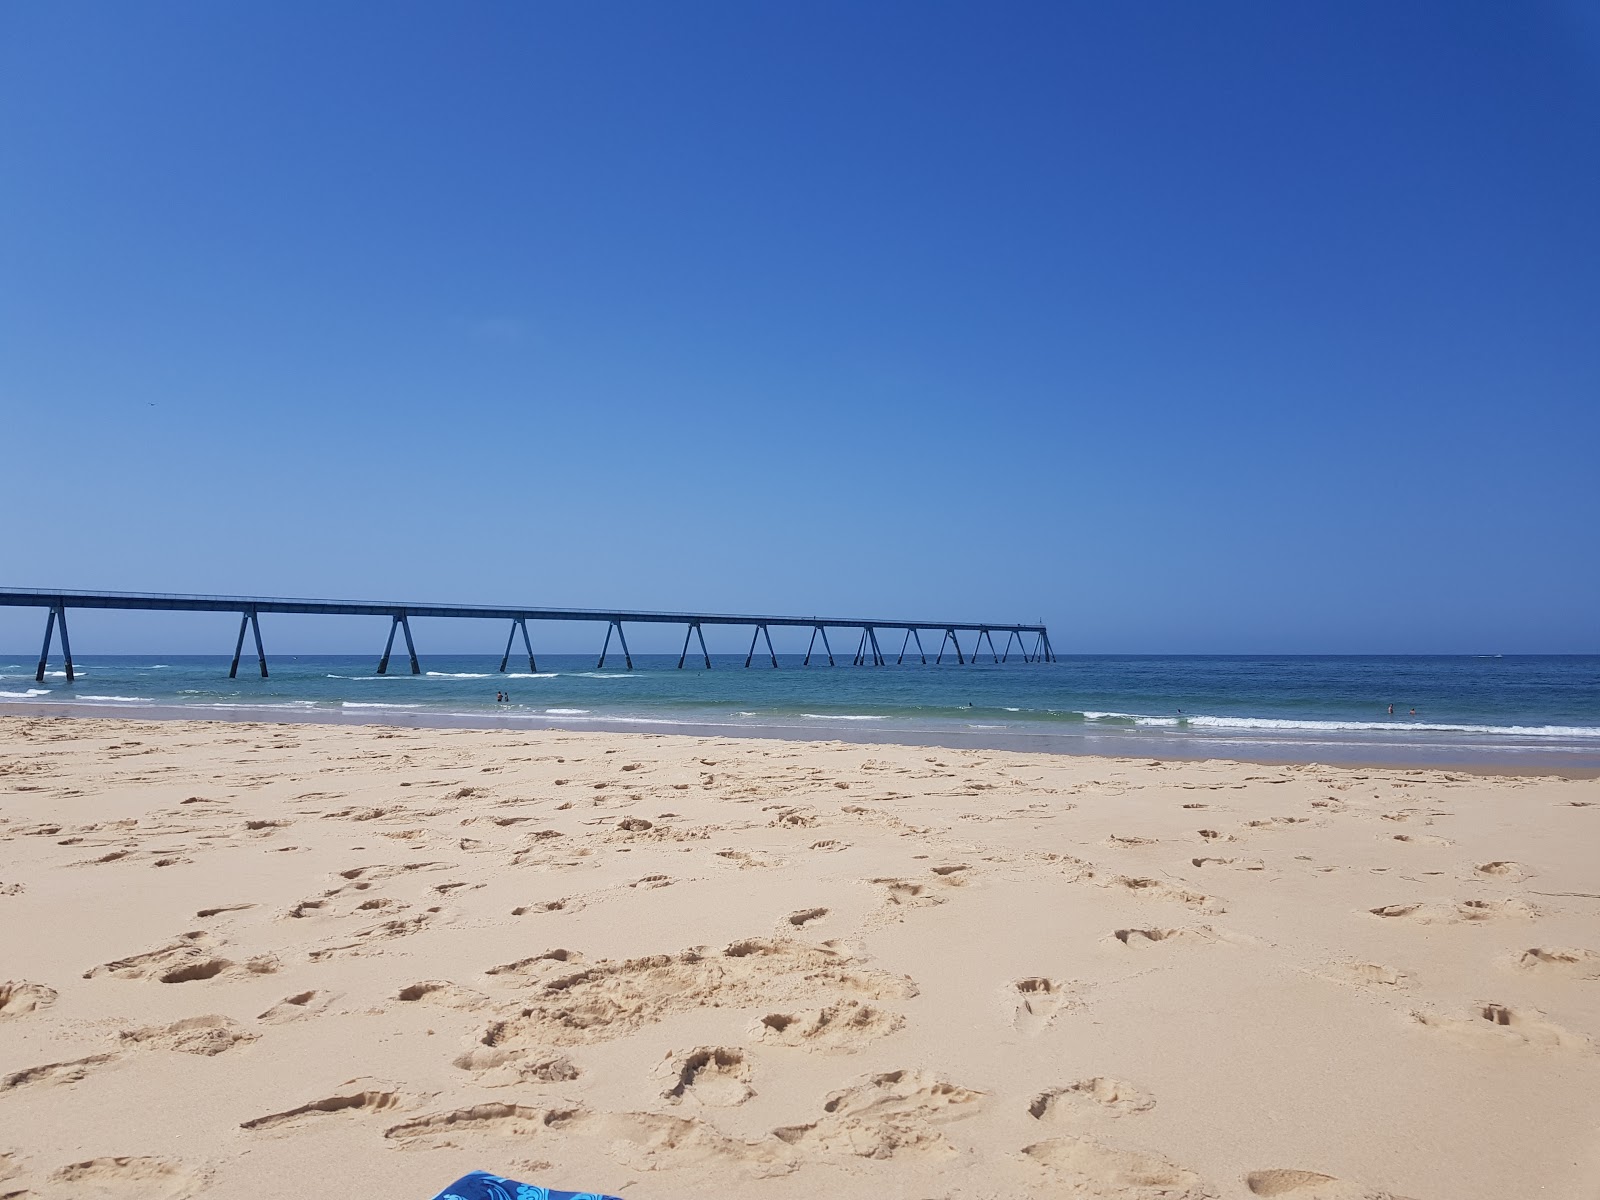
(1016, 637)
(868, 645)
(950, 636)
(250, 619)
(921, 653)
(58, 612)
(403, 624)
(621, 637)
(993, 653)
(1041, 649)
(516, 624)
(816, 629)
(761, 631)
(694, 628)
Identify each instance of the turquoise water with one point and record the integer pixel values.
(1522, 710)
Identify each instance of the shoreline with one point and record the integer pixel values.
(1120, 746)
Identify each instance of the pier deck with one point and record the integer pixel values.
(250, 608)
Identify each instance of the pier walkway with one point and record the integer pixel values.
(867, 652)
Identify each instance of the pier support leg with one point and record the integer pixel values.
(606, 645)
(44, 654)
(878, 660)
(527, 644)
(861, 649)
(623, 639)
(754, 634)
(238, 646)
(1006, 653)
(383, 663)
(261, 654)
(771, 653)
(58, 612)
(950, 636)
(693, 630)
(810, 645)
(1049, 654)
(405, 628)
(904, 642)
(66, 643)
(943, 642)
(993, 653)
(916, 636)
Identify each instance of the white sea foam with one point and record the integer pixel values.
(567, 712)
(532, 674)
(1135, 718)
(126, 699)
(459, 674)
(841, 717)
(26, 694)
(359, 704)
(1539, 731)
(606, 675)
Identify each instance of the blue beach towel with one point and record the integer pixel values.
(482, 1186)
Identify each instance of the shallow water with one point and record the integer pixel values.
(1516, 710)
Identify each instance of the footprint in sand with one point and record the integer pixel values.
(208, 1035)
(56, 1073)
(292, 1008)
(185, 961)
(886, 1116)
(1091, 1170)
(357, 1097)
(1089, 1098)
(567, 904)
(145, 1178)
(1155, 889)
(657, 1142)
(1461, 911)
(506, 1120)
(1310, 1185)
(1584, 964)
(843, 1027)
(716, 1076)
(1503, 871)
(1490, 1025)
(443, 993)
(1368, 974)
(1038, 1001)
(805, 916)
(1138, 939)
(906, 893)
(18, 997)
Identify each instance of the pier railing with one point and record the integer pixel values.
(868, 650)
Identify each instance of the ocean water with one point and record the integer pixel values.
(1530, 711)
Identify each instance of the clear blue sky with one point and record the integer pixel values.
(1186, 327)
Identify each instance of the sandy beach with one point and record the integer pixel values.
(251, 960)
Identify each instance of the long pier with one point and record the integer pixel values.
(867, 652)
